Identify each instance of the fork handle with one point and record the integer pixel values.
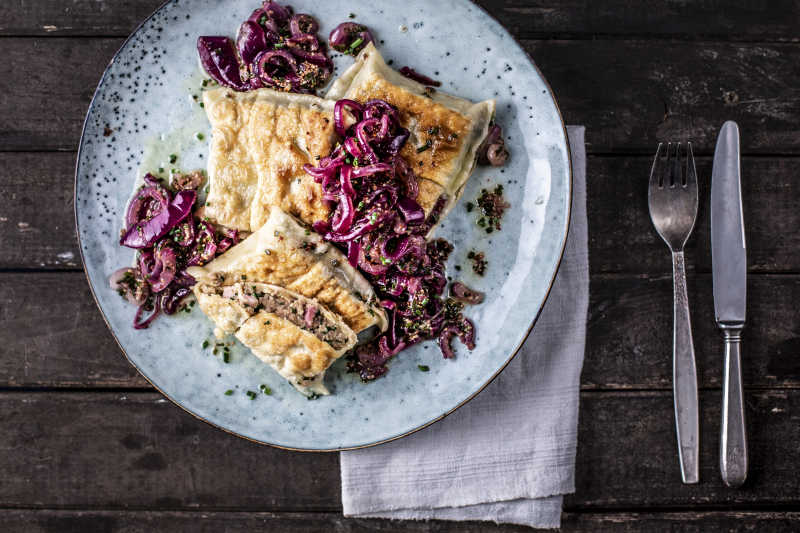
(684, 377)
(733, 441)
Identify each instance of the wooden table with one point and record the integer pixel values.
(86, 445)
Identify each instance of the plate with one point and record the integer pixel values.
(144, 110)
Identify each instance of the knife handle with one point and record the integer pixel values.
(684, 377)
(733, 440)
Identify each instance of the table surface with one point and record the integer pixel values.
(87, 445)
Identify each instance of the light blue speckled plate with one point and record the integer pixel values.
(143, 111)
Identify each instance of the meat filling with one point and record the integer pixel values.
(302, 313)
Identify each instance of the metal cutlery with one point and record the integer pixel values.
(729, 269)
(672, 199)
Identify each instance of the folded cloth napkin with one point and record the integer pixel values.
(516, 440)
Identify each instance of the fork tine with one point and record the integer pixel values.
(691, 171)
(655, 176)
(669, 163)
(675, 167)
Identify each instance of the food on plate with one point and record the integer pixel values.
(160, 224)
(260, 142)
(295, 335)
(376, 217)
(274, 48)
(373, 168)
(284, 253)
(444, 131)
(350, 38)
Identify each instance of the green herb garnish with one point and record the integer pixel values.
(356, 43)
(423, 368)
(229, 392)
(172, 158)
(252, 395)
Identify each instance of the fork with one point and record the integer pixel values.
(672, 198)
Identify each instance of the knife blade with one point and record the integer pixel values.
(729, 275)
(728, 251)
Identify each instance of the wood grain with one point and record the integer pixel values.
(55, 337)
(634, 75)
(576, 19)
(621, 236)
(629, 334)
(66, 521)
(138, 451)
(641, 91)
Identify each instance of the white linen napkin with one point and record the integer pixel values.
(517, 439)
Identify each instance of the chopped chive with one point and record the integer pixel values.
(424, 147)
(229, 392)
(356, 43)
(200, 136)
(205, 344)
(423, 368)
(226, 357)
(266, 390)
(202, 104)
(252, 395)
(172, 158)
(160, 170)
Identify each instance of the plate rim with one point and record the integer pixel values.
(502, 367)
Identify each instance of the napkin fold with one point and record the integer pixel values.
(508, 456)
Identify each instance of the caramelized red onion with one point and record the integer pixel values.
(350, 38)
(464, 294)
(151, 214)
(375, 216)
(412, 74)
(492, 151)
(274, 48)
(161, 225)
(218, 58)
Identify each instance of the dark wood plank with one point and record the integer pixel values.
(56, 521)
(627, 454)
(629, 335)
(55, 336)
(46, 91)
(74, 17)
(633, 94)
(727, 20)
(579, 19)
(621, 237)
(37, 224)
(630, 94)
(138, 451)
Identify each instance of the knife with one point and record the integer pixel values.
(729, 268)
